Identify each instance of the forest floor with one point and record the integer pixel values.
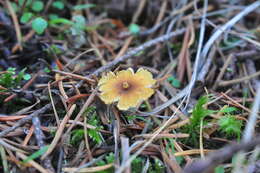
(129, 86)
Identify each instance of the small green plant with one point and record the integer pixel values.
(77, 135)
(93, 120)
(199, 113)
(175, 82)
(156, 167)
(39, 23)
(94, 134)
(230, 126)
(137, 165)
(110, 158)
(9, 79)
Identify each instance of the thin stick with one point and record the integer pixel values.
(25, 120)
(239, 80)
(250, 126)
(39, 136)
(53, 105)
(16, 24)
(59, 132)
(223, 69)
(75, 76)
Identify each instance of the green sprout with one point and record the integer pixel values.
(9, 79)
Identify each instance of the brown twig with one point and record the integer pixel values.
(16, 25)
(25, 120)
(239, 80)
(40, 141)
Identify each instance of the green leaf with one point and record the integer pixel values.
(37, 6)
(83, 6)
(36, 154)
(131, 117)
(110, 158)
(46, 70)
(175, 82)
(27, 76)
(134, 28)
(39, 25)
(228, 109)
(61, 21)
(26, 17)
(219, 169)
(58, 4)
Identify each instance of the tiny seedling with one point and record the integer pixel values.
(230, 126)
(199, 112)
(174, 82)
(94, 134)
(93, 120)
(137, 165)
(156, 167)
(77, 135)
(110, 158)
(9, 79)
